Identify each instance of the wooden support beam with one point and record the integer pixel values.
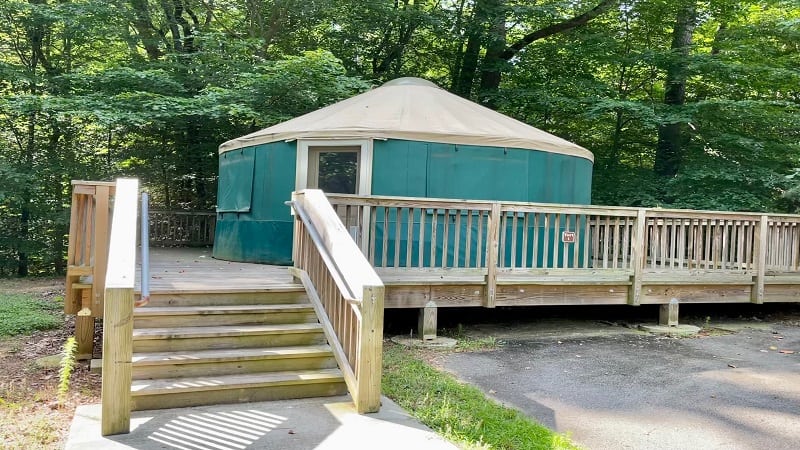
(427, 321)
(492, 249)
(668, 313)
(760, 255)
(84, 336)
(638, 251)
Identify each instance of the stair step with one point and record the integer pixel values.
(231, 361)
(180, 392)
(183, 316)
(225, 309)
(201, 332)
(239, 354)
(279, 294)
(219, 337)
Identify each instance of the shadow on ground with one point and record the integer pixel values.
(318, 423)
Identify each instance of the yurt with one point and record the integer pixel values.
(407, 138)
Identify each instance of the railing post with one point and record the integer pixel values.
(638, 250)
(492, 249)
(760, 253)
(102, 228)
(118, 313)
(296, 196)
(369, 370)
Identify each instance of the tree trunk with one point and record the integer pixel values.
(469, 61)
(143, 24)
(668, 150)
(492, 65)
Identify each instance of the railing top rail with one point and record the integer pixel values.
(373, 200)
(336, 244)
(122, 242)
(393, 201)
(183, 212)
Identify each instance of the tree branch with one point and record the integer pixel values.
(556, 28)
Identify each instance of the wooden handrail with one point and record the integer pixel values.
(118, 315)
(346, 293)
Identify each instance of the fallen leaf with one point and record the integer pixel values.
(731, 366)
(291, 431)
(772, 347)
(492, 391)
(786, 352)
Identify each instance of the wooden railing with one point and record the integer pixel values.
(87, 256)
(182, 228)
(118, 315)
(346, 292)
(512, 237)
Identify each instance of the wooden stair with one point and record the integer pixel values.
(202, 348)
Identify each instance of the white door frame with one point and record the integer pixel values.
(364, 161)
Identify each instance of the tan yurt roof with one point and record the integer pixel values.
(412, 109)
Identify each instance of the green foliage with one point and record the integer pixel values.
(460, 412)
(93, 90)
(23, 314)
(66, 366)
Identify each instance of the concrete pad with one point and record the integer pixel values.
(49, 362)
(316, 423)
(677, 330)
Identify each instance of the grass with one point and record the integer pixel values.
(25, 314)
(460, 412)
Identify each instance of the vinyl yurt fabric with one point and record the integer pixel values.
(421, 141)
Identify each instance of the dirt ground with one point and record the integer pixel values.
(736, 385)
(31, 414)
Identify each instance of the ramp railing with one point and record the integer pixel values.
(346, 292)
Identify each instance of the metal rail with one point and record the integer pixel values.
(144, 298)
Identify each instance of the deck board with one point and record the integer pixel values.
(194, 270)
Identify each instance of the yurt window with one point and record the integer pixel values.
(341, 167)
(333, 169)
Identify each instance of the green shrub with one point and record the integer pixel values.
(23, 314)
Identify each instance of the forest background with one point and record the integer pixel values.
(685, 103)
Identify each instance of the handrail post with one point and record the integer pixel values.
(760, 252)
(639, 250)
(369, 370)
(492, 249)
(118, 312)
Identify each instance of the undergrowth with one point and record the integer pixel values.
(24, 314)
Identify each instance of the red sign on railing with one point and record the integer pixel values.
(568, 237)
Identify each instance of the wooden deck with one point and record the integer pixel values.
(193, 270)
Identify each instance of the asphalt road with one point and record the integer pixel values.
(619, 389)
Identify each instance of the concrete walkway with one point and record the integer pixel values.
(316, 423)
